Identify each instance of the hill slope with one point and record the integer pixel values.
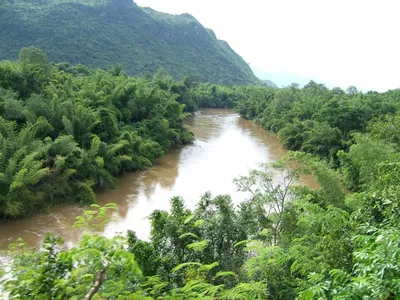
(103, 33)
(269, 83)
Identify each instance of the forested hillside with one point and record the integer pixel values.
(101, 34)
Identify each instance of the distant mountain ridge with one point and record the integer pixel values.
(103, 33)
(281, 79)
(269, 83)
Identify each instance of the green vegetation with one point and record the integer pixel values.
(320, 121)
(66, 130)
(284, 242)
(100, 34)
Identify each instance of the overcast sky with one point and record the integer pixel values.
(337, 42)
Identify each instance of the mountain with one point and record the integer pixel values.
(281, 78)
(269, 83)
(103, 33)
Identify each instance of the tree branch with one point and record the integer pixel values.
(97, 284)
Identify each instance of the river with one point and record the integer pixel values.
(226, 146)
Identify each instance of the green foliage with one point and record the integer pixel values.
(96, 218)
(103, 268)
(102, 34)
(268, 198)
(65, 131)
(57, 273)
(386, 128)
(318, 120)
(375, 276)
(214, 96)
(285, 242)
(206, 235)
(332, 245)
(359, 164)
(64, 134)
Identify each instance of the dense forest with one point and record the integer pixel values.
(66, 130)
(103, 33)
(353, 131)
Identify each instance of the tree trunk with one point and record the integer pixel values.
(97, 284)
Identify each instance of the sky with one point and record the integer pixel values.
(336, 42)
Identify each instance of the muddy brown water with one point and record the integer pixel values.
(226, 146)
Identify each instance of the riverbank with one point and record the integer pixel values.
(226, 146)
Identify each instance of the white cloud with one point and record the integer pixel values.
(340, 42)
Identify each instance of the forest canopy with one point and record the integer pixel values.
(66, 130)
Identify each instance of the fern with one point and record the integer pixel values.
(188, 234)
(209, 266)
(86, 193)
(184, 265)
(202, 289)
(41, 128)
(68, 128)
(198, 246)
(94, 146)
(225, 274)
